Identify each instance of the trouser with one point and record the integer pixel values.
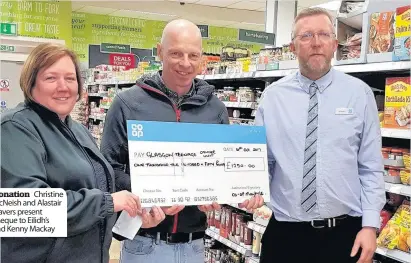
(289, 242)
(144, 249)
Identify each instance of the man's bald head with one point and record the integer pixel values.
(180, 52)
(180, 27)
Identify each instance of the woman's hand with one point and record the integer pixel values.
(124, 200)
(152, 218)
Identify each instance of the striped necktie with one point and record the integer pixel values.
(308, 195)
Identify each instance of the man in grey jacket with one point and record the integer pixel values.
(173, 94)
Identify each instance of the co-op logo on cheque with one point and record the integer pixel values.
(137, 130)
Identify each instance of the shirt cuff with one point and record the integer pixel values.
(371, 218)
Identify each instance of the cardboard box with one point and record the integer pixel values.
(402, 34)
(397, 107)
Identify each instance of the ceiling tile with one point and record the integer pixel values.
(247, 5)
(97, 10)
(219, 3)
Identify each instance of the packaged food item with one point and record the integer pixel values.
(396, 233)
(228, 218)
(248, 238)
(386, 152)
(246, 94)
(392, 175)
(222, 223)
(256, 243)
(395, 154)
(233, 223)
(405, 176)
(406, 158)
(239, 220)
(217, 217)
(397, 109)
(385, 216)
(242, 230)
(402, 34)
(382, 32)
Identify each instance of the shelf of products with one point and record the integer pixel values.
(394, 254)
(228, 243)
(356, 68)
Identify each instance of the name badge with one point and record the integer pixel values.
(344, 111)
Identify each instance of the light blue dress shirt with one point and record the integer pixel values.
(349, 177)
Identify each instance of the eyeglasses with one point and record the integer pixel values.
(308, 36)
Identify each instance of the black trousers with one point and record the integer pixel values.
(287, 242)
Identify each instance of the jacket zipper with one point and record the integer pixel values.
(178, 117)
(102, 231)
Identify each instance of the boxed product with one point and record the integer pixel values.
(402, 34)
(396, 233)
(397, 108)
(381, 32)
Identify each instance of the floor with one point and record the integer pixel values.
(115, 251)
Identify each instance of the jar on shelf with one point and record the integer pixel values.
(246, 94)
(229, 94)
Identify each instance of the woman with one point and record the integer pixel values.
(42, 147)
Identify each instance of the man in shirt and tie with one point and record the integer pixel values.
(324, 154)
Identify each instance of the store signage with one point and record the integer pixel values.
(188, 165)
(124, 60)
(4, 85)
(7, 48)
(8, 29)
(115, 48)
(204, 30)
(256, 36)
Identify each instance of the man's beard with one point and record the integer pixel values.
(318, 68)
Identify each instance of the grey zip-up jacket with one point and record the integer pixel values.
(38, 150)
(145, 101)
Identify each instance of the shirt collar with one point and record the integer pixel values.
(322, 82)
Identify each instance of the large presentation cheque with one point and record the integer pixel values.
(193, 164)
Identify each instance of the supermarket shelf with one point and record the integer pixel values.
(228, 243)
(395, 254)
(398, 189)
(356, 68)
(101, 94)
(111, 82)
(244, 105)
(396, 133)
(256, 227)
